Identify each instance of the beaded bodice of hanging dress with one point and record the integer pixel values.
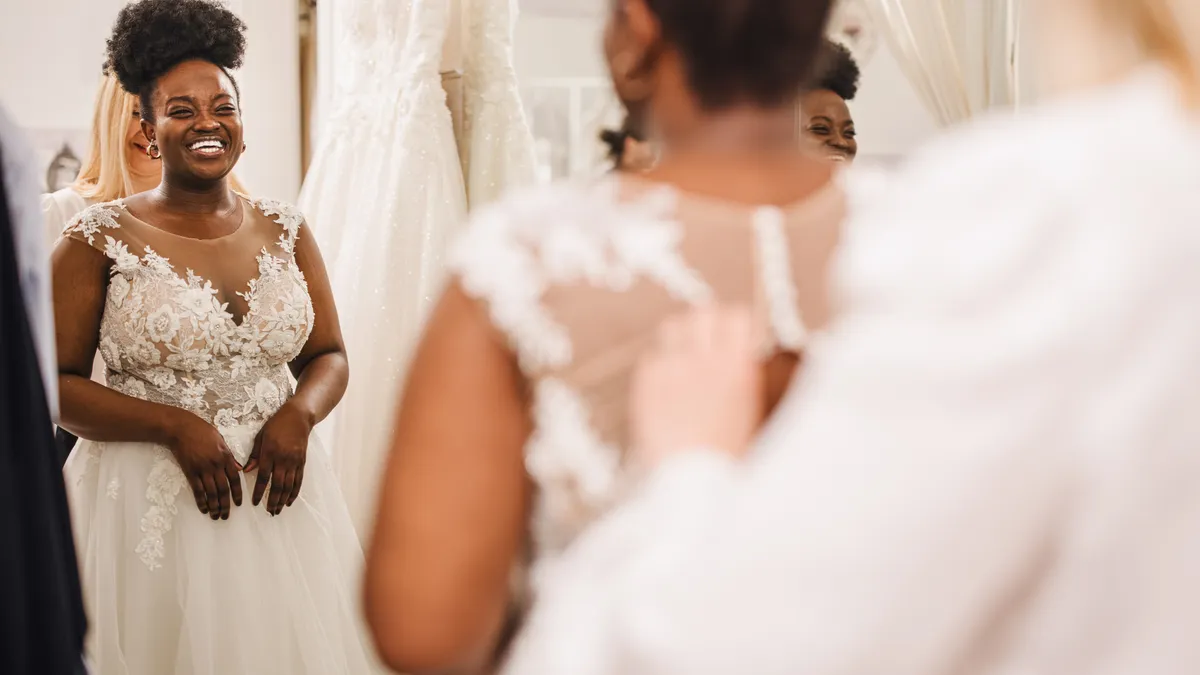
(498, 152)
(384, 194)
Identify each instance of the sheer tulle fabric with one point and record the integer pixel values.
(253, 594)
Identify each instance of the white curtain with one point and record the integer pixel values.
(962, 56)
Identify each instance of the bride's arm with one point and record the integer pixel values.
(455, 498)
(321, 369)
(91, 410)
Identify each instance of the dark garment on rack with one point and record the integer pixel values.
(42, 621)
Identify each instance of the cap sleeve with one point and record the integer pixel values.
(289, 218)
(92, 225)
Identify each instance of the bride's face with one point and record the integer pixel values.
(197, 123)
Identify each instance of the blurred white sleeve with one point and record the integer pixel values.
(907, 486)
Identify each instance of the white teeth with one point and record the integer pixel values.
(207, 145)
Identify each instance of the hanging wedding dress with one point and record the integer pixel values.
(498, 152)
(384, 194)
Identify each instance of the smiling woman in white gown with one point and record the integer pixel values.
(384, 194)
(212, 537)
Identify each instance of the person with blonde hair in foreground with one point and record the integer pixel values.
(990, 464)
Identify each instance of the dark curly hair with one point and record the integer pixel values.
(839, 71)
(151, 37)
(759, 52)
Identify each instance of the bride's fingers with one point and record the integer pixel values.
(296, 485)
(198, 493)
(234, 474)
(210, 495)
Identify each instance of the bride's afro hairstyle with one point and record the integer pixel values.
(839, 71)
(151, 37)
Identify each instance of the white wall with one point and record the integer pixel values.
(52, 52)
(888, 115)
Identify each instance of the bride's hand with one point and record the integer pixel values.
(700, 387)
(280, 451)
(207, 463)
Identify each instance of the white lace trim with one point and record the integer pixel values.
(164, 484)
(576, 471)
(511, 257)
(777, 278)
(90, 220)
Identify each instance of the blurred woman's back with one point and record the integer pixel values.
(558, 291)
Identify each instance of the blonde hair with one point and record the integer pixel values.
(1167, 31)
(105, 175)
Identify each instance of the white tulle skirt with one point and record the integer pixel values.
(170, 591)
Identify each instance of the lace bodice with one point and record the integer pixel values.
(169, 333)
(579, 278)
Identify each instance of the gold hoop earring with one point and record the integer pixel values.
(152, 150)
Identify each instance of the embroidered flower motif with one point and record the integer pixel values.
(190, 360)
(135, 388)
(225, 418)
(111, 353)
(114, 488)
(123, 261)
(163, 324)
(118, 290)
(164, 484)
(197, 302)
(144, 353)
(162, 378)
(192, 396)
(279, 343)
(267, 397)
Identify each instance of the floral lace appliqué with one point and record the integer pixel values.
(165, 482)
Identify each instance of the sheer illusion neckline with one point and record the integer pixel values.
(242, 201)
(221, 292)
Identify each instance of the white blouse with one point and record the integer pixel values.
(59, 208)
(991, 464)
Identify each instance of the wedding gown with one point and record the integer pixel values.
(169, 590)
(498, 152)
(384, 194)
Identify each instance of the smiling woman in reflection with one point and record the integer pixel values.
(199, 301)
(826, 124)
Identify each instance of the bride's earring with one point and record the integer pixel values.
(152, 150)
